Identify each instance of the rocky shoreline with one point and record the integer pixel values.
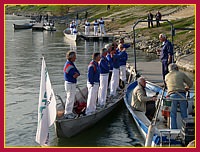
(183, 55)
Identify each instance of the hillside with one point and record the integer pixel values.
(119, 20)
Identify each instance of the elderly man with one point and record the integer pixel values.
(166, 54)
(71, 74)
(177, 83)
(141, 102)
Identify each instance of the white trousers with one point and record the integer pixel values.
(102, 30)
(87, 30)
(70, 89)
(103, 89)
(123, 72)
(92, 97)
(95, 30)
(71, 29)
(114, 82)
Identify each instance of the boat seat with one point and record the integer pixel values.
(142, 117)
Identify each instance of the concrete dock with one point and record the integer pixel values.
(152, 71)
(38, 27)
(91, 37)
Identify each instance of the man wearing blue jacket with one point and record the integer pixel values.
(122, 63)
(71, 74)
(104, 72)
(166, 54)
(115, 74)
(93, 83)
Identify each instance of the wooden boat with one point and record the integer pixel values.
(22, 26)
(157, 133)
(71, 127)
(70, 36)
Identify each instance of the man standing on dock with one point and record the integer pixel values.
(87, 27)
(166, 54)
(96, 25)
(150, 19)
(102, 28)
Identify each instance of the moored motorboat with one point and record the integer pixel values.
(156, 132)
(22, 26)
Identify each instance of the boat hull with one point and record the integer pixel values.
(161, 131)
(22, 26)
(66, 128)
(72, 37)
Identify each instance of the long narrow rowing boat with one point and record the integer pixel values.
(71, 127)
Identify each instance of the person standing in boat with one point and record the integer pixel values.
(102, 27)
(93, 83)
(71, 74)
(96, 25)
(177, 84)
(166, 54)
(71, 26)
(87, 27)
(104, 72)
(122, 63)
(114, 84)
(74, 30)
(140, 100)
(109, 58)
(121, 41)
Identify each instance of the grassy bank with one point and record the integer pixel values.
(118, 16)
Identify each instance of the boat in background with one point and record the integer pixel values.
(22, 26)
(156, 132)
(70, 36)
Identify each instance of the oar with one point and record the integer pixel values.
(59, 97)
(151, 129)
(81, 93)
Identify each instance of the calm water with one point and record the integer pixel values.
(24, 49)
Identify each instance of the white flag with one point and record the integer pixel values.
(46, 107)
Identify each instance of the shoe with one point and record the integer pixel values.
(90, 113)
(100, 106)
(70, 116)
